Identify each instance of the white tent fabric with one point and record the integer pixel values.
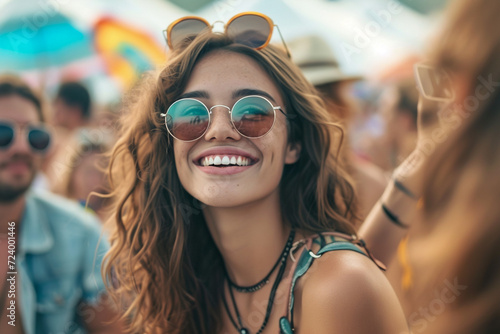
(364, 34)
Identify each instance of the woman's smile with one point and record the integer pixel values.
(225, 160)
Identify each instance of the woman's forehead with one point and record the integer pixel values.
(223, 71)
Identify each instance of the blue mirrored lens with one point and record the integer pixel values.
(187, 119)
(253, 116)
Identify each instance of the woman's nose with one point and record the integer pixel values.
(221, 127)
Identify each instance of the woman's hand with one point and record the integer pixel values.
(380, 231)
(433, 129)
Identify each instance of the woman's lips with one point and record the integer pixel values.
(224, 157)
(228, 170)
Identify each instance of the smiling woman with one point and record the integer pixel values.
(229, 192)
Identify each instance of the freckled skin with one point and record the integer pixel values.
(220, 74)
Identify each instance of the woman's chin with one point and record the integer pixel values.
(223, 201)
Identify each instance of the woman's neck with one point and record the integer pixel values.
(250, 237)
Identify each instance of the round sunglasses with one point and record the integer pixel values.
(252, 116)
(38, 137)
(249, 28)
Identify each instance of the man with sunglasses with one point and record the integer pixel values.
(50, 249)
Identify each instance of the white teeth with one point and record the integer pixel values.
(225, 160)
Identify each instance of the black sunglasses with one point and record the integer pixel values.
(38, 137)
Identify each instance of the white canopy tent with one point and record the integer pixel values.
(364, 34)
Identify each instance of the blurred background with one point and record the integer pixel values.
(368, 47)
(108, 43)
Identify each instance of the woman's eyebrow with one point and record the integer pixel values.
(196, 93)
(249, 91)
(236, 94)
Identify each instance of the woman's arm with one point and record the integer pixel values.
(389, 220)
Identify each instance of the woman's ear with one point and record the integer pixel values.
(292, 153)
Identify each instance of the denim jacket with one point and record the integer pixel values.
(59, 257)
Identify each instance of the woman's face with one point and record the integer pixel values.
(221, 78)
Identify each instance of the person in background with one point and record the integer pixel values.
(58, 250)
(320, 66)
(448, 264)
(71, 110)
(72, 106)
(83, 171)
(452, 247)
(398, 107)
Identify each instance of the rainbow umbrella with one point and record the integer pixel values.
(127, 51)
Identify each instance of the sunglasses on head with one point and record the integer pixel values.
(252, 29)
(37, 136)
(252, 116)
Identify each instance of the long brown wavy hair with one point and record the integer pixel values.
(164, 266)
(459, 236)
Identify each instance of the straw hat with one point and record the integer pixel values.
(317, 61)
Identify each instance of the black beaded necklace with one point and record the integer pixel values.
(282, 260)
(259, 285)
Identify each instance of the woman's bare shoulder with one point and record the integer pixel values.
(345, 292)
